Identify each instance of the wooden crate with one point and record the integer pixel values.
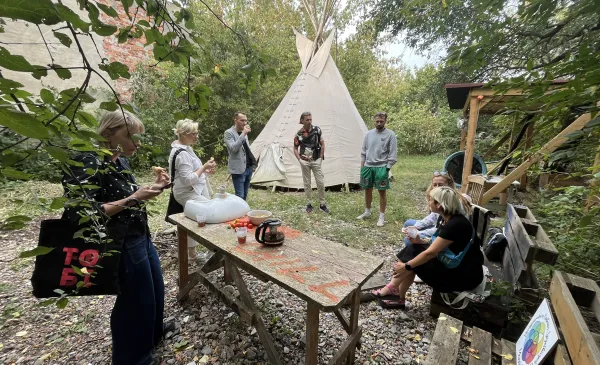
(479, 184)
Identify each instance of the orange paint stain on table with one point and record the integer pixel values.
(322, 289)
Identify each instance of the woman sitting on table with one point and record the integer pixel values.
(191, 182)
(454, 234)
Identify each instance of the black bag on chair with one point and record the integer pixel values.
(60, 269)
(174, 207)
(495, 246)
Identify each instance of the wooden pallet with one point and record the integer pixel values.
(570, 296)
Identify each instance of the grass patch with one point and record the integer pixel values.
(406, 199)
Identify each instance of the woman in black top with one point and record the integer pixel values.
(455, 233)
(104, 182)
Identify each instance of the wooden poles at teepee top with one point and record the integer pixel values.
(319, 24)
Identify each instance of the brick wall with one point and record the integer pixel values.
(131, 52)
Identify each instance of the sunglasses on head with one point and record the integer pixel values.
(440, 173)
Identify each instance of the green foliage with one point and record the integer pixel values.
(573, 230)
(422, 132)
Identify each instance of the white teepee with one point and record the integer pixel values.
(319, 89)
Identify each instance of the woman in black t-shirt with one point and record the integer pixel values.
(421, 259)
(103, 185)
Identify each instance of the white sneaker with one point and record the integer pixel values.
(418, 280)
(364, 215)
(380, 222)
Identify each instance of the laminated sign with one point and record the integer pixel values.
(539, 338)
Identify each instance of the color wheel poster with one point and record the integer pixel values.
(539, 338)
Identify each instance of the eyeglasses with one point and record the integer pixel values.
(440, 173)
(193, 134)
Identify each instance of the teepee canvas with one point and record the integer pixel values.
(319, 89)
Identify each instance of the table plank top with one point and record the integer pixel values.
(313, 268)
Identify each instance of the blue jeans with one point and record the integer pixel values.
(136, 321)
(241, 182)
(408, 223)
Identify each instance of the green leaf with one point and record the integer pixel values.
(180, 345)
(23, 123)
(38, 251)
(63, 38)
(9, 86)
(592, 123)
(47, 302)
(108, 10)
(87, 119)
(144, 23)
(16, 174)
(14, 222)
(58, 153)
(14, 62)
(62, 303)
(586, 220)
(111, 106)
(91, 135)
(39, 72)
(47, 96)
(115, 70)
(58, 203)
(69, 16)
(32, 11)
(63, 73)
(103, 30)
(77, 270)
(123, 35)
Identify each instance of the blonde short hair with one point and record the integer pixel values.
(449, 200)
(185, 126)
(112, 121)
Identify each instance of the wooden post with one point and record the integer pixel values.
(549, 147)
(355, 309)
(312, 334)
(528, 140)
(470, 146)
(596, 168)
(182, 242)
(463, 138)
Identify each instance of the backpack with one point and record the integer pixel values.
(494, 248)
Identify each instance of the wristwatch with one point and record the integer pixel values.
(132, 202)
(408, 267)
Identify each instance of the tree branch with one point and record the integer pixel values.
(44, 39)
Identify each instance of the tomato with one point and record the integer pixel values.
(245, 224)
(239, 225)
(250, 226)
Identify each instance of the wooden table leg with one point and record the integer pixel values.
(227, 276)
(312, 334)
(182, 242)
(261, 329)
(354, 311)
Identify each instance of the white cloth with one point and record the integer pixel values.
(187, 184)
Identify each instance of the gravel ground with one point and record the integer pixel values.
(208, 332)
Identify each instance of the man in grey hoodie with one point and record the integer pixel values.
(379, 153)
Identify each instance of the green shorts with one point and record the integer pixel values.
(374, 177)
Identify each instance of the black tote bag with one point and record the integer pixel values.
(173, 207)
(62, 267)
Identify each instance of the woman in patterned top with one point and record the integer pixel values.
(104, 182)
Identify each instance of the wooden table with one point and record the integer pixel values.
(325, 274)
